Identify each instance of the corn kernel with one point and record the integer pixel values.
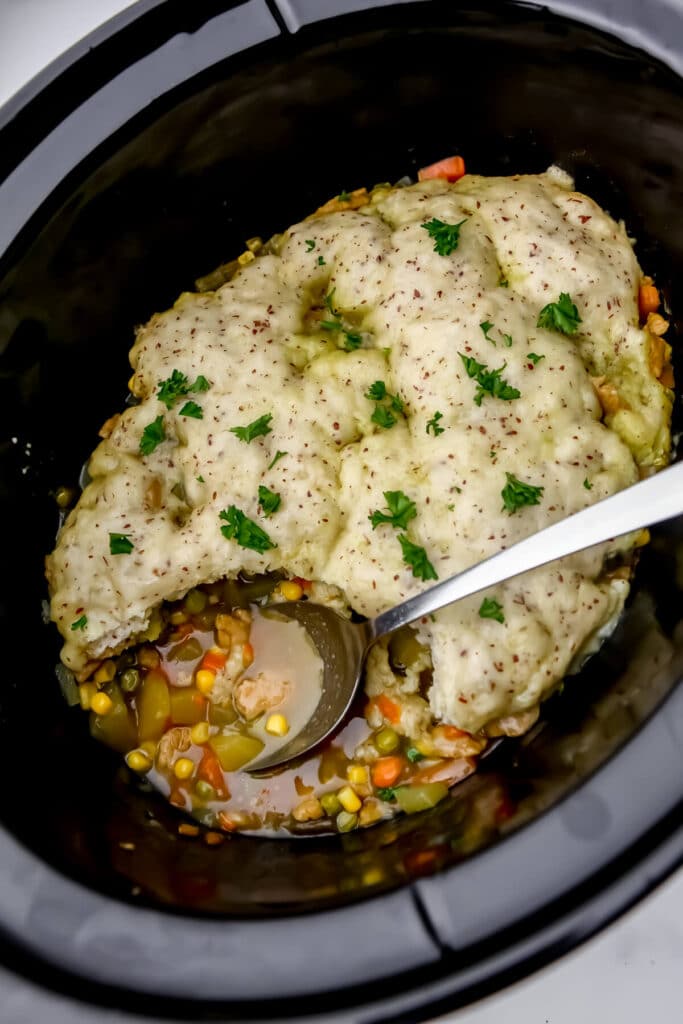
(150, 748)
(213, 838)
(246, 257)
(372, 876)
(183, 768)
(357, 774)
(138, 761)
(200, 732)
(254, 244)
(86, 692)
(290, 590)
(349, 800)
(101, 704)
(330, 804)
(277, 725)
(131, 382)
(105, 672)
(185, 829)
(204, 681)
(177, 618)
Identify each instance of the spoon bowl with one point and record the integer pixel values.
(343, 645)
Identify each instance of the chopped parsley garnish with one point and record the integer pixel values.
(268, 500)
(587, 484)
(276, 458)
(246, 532)
(516, 494)
(503, 281)
(352, 339)
(177, 386)
(562, 316)
(321, 261)
(414, 755)
(401, 511)
(120, 544)
(486, 327)
(383, 417)
(433, 424)
(79, 623)
(491, 609)
(507, 340)
(534, 358)
(384, 413)
(257, 428)
(310, 244)
(193, 410)
(201, 479)
(415, 558)
(489, 382)
(152, 435)
(446, 236)
(386, 793)
(344, 197)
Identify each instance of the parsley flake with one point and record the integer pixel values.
(246, 532)
(377, 391)
(321, 261)
(268, 500)
(416, 559)
(352, 339)
(491, 609)
(383, 417)
(276, 458)
(516, 494)
(562, 316)
(507, 340)
(79, 623)
(344, 197)
(384, 413)
(534, 358)
(310, 244)
(503, 281)
(401, 511)
(177, 386)
(489, 382)
(257, 428)
(386, 793)
(120, 544)
(152, 435)
(201, 480)
(433, 424)
(587, 484)
(446, 236)
(193, 410)
(486, 327)
(414, 755)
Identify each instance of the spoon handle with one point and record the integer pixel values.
(644, 504)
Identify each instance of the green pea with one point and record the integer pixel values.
(386, 740)
(330, 804)
(195, 602)
(346, 822)
(130, 680)
(204, 790)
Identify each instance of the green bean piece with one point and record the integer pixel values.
(195, 602)
(346, 822)
(130, 680)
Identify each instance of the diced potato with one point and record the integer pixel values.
(153, 705)
(117, 728)
(420, 798)
(187, 705)
(235, 750)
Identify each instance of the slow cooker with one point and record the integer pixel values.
(137, 162)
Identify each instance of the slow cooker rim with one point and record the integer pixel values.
(427, 892)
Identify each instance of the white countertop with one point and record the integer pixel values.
(629, 973)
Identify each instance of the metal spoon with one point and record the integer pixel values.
(343, 645)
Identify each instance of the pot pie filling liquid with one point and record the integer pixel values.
(214, 677)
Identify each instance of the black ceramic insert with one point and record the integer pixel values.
(232, 148)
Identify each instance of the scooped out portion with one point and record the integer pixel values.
(392, 390)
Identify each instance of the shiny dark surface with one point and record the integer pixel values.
(243, 148)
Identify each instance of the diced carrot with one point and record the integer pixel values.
(451, 732)
(386, 771)
(226, 822)
(247, 654)
(304, 584)
(451, 168)
(388, 708)
(648, 299)
(210, 771)
(214, 660)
